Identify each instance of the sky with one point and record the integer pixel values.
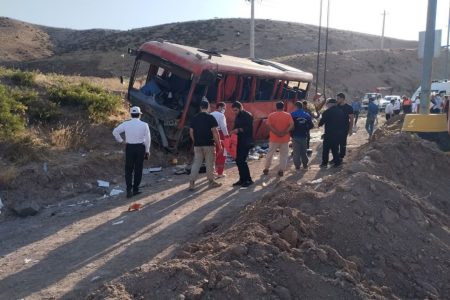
(404, 18)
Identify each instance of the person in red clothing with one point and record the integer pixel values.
(280, 124)
(407, 105)
(219, 115)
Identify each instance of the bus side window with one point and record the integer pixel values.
(230, 88)
(246, 89)
(264, 89)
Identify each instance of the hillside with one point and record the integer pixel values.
(98, 52)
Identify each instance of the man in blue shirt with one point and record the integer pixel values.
(372, 112)
(356, 105)
(302, 125)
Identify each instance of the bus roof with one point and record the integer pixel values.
(196, 60)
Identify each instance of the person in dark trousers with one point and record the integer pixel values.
(137, 137)
(356, 105)
(372, 113)
(348, 123)
(243, 127)
(300, 134)
(334, 120)
(312, 115)
(205, 136)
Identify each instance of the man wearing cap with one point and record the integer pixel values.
(137, 137)
(205, 137)
(334, 120)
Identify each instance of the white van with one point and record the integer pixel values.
(437, 86)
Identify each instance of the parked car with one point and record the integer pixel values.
(365, 100)
(388, 99)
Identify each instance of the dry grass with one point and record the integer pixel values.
(69, 136)
(7, 176)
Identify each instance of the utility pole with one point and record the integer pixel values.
(446, 53)
(428, 58)
(382, 30)
(318, 47)
(326, 51)
(252, 30)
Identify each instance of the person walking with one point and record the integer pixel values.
(302, 125)
(204, 135)
(280, 124)
(137, 139)
(372, 113)
(334, 120)
(389, 110)
(407, 105)
(243, 127)
(219, 115)
(397, 107)
(348, 123)
(416, 105)
(436, 104)
(356, 105)
(312, 115)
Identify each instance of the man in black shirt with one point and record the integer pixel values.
(205, 136)
(334, 120)
(243, 127)
(348, 123)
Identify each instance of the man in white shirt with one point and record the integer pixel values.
(219, 115)
(436, 103)
(397, 107)
(137, 137)
(389, 110)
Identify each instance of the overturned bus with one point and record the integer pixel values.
(168, 82)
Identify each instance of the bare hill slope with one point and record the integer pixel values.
(273, 38)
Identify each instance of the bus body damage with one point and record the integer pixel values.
(168, 82)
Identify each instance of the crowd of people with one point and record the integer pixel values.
(208, 132)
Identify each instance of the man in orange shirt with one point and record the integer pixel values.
(280, 124)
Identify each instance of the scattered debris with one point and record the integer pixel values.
(320, 180)
(102, 183)
(135, 206)
(147, 171)
(115, 192)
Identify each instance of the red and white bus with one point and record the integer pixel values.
(169, 80)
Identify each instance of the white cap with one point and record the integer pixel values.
(135, 110)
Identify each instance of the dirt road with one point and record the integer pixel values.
(66, 250)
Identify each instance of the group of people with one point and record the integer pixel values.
(208, 131)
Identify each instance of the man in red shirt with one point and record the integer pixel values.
(280, 123)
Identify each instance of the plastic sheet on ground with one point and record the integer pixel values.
(151, 170)
(102, 183)
(115, 192)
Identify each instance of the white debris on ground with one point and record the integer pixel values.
(102, 183)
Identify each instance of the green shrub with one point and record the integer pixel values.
(98, 102)
(23, 78)
(38, 110)
(12, 113)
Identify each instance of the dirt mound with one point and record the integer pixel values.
(377, 229)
